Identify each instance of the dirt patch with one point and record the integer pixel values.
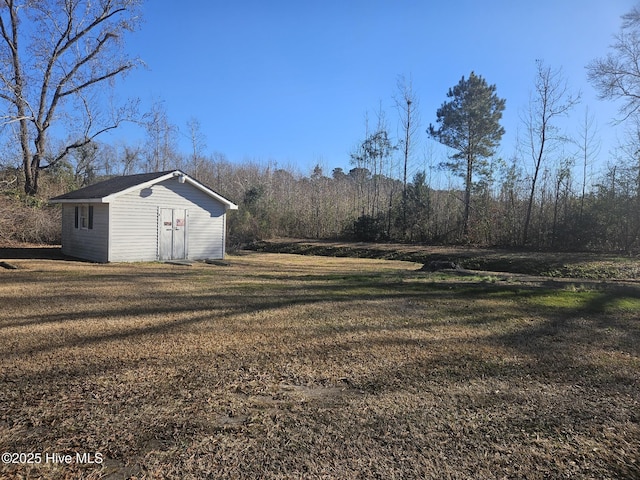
(323, 394)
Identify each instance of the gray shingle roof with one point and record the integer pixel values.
(111, 186)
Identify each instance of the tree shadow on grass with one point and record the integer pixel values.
(591, 320)
(321, 289)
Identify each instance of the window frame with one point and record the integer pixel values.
(83, 217)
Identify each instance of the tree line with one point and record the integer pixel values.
(361, 205)
(539, 197)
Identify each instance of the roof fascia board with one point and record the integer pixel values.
(79, 200)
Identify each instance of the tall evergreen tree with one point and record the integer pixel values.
(469, 123)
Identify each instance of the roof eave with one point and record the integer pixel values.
(79, 200)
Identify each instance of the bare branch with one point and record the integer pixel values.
(7, 183)
(617, 75)
(99, 79)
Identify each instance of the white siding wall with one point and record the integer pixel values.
(88, 244)
(134, 222)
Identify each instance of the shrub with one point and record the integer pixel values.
(367, 228)
(28, 221)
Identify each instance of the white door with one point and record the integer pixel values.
(179, 234)
(173, 233)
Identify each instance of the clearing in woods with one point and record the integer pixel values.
(289, 366)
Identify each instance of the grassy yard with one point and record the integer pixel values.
(288, 366)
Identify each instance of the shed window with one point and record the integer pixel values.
(84, 217)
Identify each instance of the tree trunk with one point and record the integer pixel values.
(527, 219)
(32, 164)
(467, 198)
(31, 183)
(29, 163)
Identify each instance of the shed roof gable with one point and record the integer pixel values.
(107, 190)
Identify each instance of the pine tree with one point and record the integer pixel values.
(469, 123)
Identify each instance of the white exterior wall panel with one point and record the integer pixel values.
(134, 230)
(90, 244)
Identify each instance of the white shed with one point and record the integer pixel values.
(145, 217)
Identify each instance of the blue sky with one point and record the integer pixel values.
(291, 81)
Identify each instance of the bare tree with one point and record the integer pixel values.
(407, 104)
(85, 159)
(161, 139)
(373, 155)
(130, 158)
(55, 58)
(562, 193)
(617, 75)
(589, 147)
(198, 142)
(551, 99)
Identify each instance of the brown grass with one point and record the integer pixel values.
(284, 366)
